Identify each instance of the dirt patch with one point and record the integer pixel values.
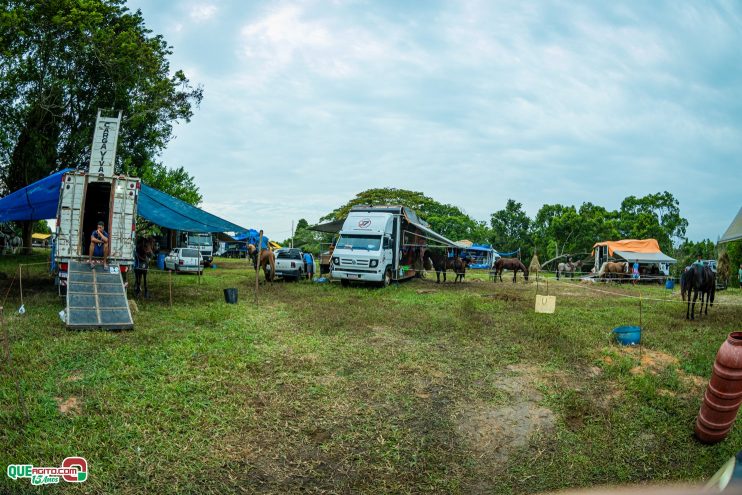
(426, 291)
(493, 432)
(69, 406)
(650, 361)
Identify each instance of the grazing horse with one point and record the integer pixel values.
(143, 255)
(513, 264)
(568, 268)
(267, 261)
(440, 263)
(459, 268)
(610, 268)
(698, 279)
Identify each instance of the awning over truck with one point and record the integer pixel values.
(644, 257)
(167, 211)
(734, 232)
(37, 201)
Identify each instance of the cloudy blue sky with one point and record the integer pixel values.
(471, 102)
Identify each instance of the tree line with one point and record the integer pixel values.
(556, 230)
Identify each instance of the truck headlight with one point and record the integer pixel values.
(336, 260)
(373, 263)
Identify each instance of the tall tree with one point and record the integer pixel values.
(654, 215)
(448, 220)
(62, 60)
(511, 229)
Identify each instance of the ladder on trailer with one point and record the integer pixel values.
(96, 298)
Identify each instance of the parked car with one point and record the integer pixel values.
(184, 260)
(710, 263)
(289, 263)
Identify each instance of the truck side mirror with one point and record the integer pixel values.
(386, 244)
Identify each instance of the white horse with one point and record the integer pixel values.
(568, 268)
(11, 243)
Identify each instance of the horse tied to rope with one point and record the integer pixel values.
(143, 255)
(441, 263)
(614, 268)
(267, 261)
(568, 268)
(698, 279)
(513, 264)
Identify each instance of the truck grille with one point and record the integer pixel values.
(351, 262)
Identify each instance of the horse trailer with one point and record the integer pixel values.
(381, 244)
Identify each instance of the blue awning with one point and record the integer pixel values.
(167, 211)
(37, 201)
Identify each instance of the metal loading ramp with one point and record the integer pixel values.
(96, 298)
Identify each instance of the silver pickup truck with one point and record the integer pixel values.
(290, 264)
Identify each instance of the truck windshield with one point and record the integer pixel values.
(359, 241)
(199, 240)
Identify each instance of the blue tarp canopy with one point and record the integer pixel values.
(251, 236)
(37, 201)
(165, 210)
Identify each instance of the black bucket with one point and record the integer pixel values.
(230, 296)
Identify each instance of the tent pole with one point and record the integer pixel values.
(257, 266)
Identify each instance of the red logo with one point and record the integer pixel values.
(82, 469)
(364, 222)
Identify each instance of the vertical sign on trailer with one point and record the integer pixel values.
(105, 139)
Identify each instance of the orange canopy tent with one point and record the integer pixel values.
(632, 245)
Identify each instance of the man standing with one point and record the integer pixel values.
(309, 262)
(98, 245)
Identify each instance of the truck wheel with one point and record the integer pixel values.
(344, 282)
(387, 277)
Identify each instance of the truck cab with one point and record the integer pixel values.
(365, 248)
(203, 242)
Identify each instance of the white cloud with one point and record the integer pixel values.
(202, 12)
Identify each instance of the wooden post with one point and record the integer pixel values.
(170, 283)
(257, 265)
(20, 281)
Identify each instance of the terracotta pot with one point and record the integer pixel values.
(724, 393)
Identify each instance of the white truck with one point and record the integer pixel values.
(381, 244)
(96, 298)
(201, 241)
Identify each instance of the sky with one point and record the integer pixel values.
(307, 103)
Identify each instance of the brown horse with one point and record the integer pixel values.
(143, 255)
(611, 268)
(513, 264)
(441, 263)
(267, 258)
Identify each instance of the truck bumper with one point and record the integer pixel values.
(375, 276)
(287, 273)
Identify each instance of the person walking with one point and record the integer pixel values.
(309, 262)
(635, 273)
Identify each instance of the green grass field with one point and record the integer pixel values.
(417, 388)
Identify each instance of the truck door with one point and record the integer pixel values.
(123, 203)
(69, 216)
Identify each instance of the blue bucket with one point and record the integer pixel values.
(161, 261)
(628, 335)
(670, 284)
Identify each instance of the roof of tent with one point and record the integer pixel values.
(38, 201)
(167, 211)
(633, 245)
(251, 236)
(644, 257)
(734, 232)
